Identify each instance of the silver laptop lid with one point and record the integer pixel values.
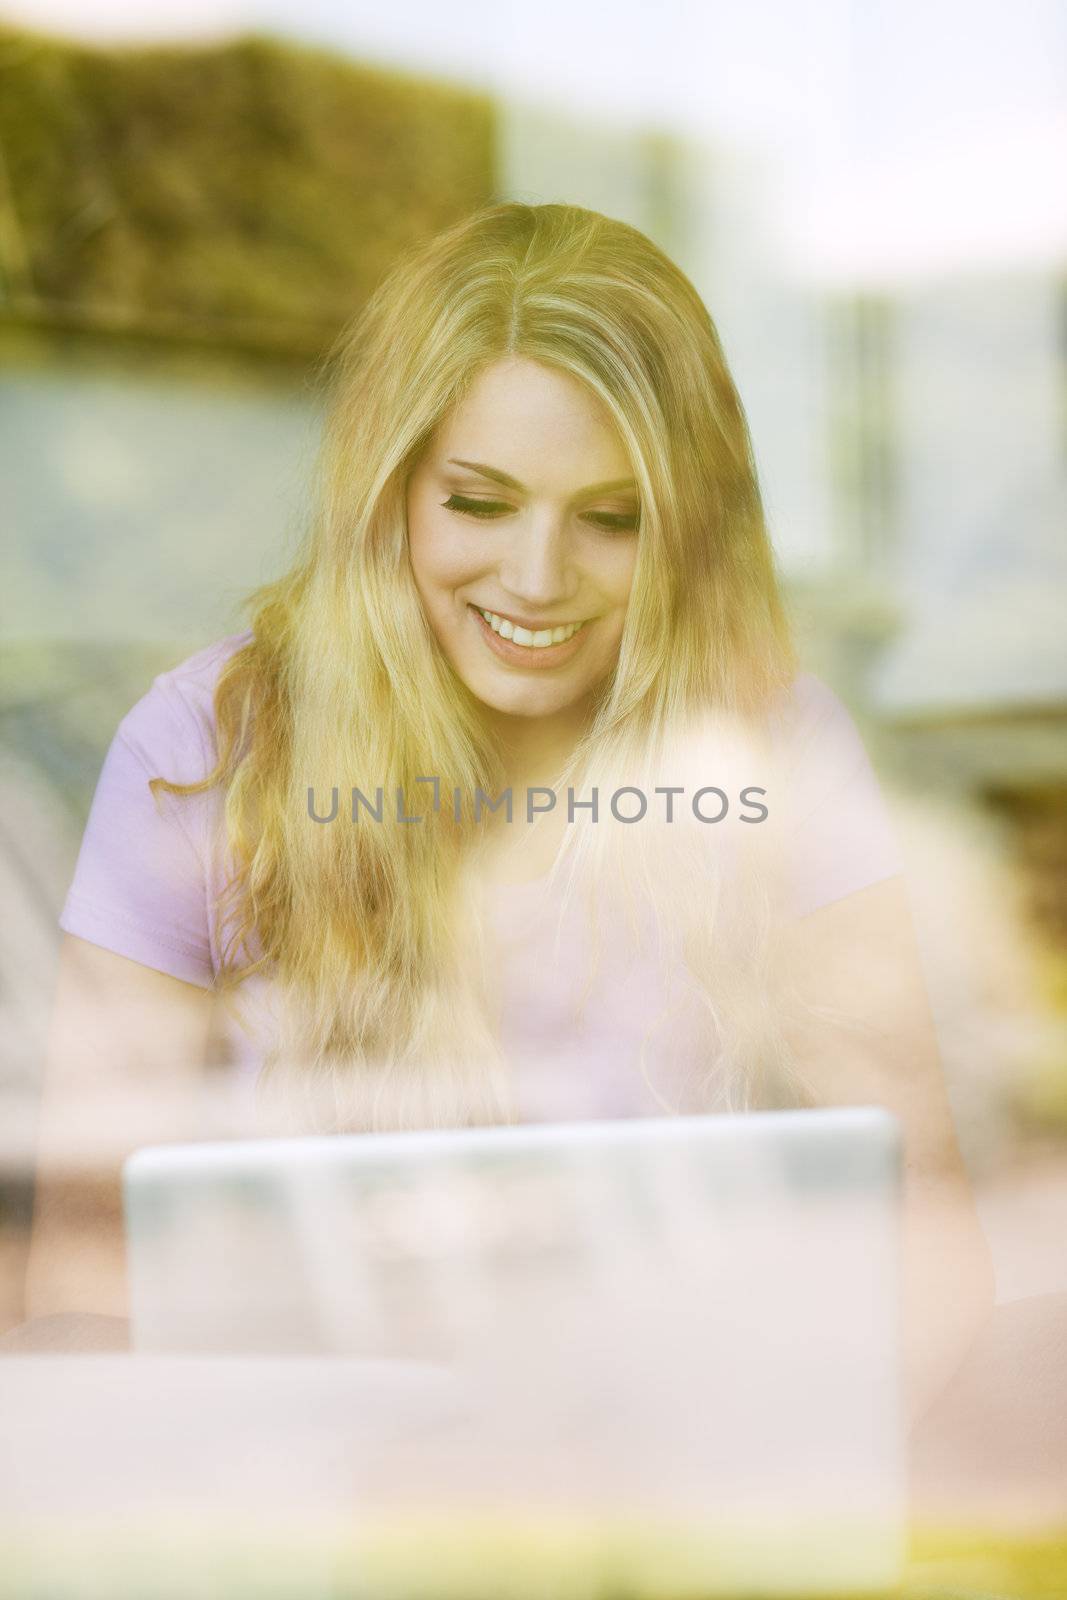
(696, 1316)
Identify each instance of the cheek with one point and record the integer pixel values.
(619, 577)
(428, 555)
(442, 558)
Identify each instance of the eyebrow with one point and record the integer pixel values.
(495, 474)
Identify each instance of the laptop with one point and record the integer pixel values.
(672, 1343)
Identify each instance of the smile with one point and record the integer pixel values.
(528, 648)
(540, 639)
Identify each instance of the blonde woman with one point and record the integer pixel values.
(537, 568)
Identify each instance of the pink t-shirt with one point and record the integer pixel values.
(146, 879)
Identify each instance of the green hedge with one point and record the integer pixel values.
(253, 192)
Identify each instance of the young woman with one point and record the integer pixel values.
(538, 567)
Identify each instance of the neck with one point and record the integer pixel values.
(535, 750)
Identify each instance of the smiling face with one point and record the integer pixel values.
(523, 507)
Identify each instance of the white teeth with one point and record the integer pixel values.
(532, 641)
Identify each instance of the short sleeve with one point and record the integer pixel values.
(839, 834)
(139, 886)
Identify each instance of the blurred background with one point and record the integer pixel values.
(869, 198)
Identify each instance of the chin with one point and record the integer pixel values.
(523, 706)
(521, 702)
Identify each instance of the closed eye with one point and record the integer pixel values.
(610, 521)
(476, 508)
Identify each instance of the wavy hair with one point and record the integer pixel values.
(372, 934)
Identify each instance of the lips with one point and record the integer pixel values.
(532, 657)
(531, 628)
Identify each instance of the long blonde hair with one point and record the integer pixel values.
(372, 933)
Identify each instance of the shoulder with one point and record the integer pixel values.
(809, 722)
(175, 719)
(838, 826)
(807, 703)
(149, 868)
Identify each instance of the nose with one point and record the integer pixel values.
(537, 568)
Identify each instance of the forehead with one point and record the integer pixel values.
(537, 423)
